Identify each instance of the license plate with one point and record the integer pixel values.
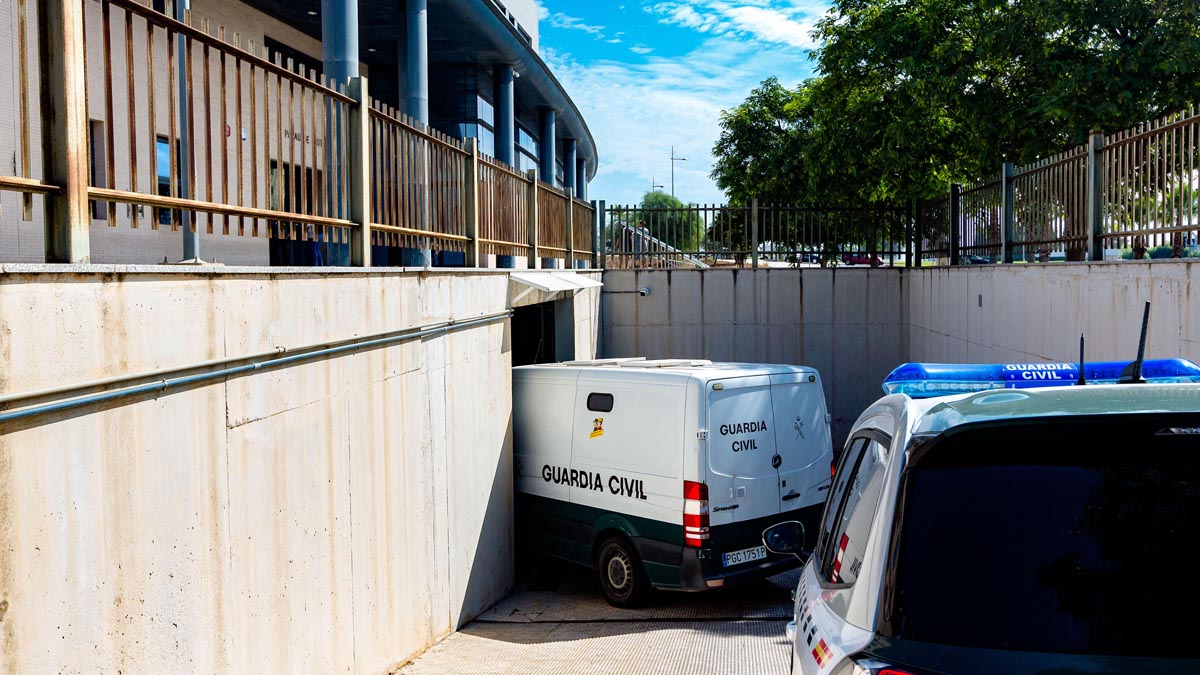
(743, 556)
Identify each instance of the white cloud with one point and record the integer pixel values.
(560, 20)
(788, 24)
(637, 111)
(640, 49)
(772, 26)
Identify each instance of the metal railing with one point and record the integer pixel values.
(756, 235)
(160, 123)
(1132, 194)
(1148, 179)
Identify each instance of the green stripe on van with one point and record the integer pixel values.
(599, 519)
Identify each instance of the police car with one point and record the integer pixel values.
(991, 519)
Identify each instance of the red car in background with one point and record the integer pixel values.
(862, 259)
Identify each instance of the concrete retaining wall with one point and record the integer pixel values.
(335, 516)
(1036, 313)
(847, 323)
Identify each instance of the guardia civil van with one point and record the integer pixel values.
(664, 473)
(1001, 519)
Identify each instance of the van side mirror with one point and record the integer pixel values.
(785, 538)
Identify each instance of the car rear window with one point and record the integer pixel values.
(1071, 538)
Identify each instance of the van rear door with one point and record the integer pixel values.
(801, 439)
(742, 482)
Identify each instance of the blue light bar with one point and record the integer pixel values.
(924, 380)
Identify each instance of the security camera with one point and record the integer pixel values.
(643, 292)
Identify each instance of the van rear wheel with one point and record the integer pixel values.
(621, 574)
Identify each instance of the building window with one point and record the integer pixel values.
(487, 114)
(163, 169)
(160, 6)
(98, 171)
(527, 142)
(487, 141)
(485, 127)
(527, 151)
(526, 162)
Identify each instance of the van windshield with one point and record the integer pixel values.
(1071, 538)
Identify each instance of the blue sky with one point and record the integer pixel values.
(648, 74)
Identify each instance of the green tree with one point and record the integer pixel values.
(761, 143)
(911, 95)
(666, 219)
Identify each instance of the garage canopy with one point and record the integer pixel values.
(551, 283)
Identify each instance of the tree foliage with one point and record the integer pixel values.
(911, 95)
(664, 218)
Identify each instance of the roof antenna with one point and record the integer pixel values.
(1082, 378)
(1133, 372)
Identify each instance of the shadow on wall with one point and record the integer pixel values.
(494, 541)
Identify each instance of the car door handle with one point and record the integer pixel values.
(790, 496)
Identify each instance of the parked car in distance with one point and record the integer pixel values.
(975, 260)
(862, 259)
(1008, 530)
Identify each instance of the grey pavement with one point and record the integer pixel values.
(556, 621)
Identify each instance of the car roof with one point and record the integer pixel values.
(937, 415)
(637, 369)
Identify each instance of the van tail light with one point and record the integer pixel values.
(695, 514)
(832, 469)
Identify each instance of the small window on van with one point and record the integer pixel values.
(600, 402)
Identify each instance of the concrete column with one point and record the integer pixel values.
(505, 112)
(581, 179)
(339, 56)
(549, 146)
(339, 39)
(417, 31)
(569, 163)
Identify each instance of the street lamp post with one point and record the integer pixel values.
(654, 184)
(673, 160)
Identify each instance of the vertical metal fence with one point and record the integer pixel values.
(772, 235)
(1150, 186)
(1050, 208)
(420, 176)
(23, 177)
(980, 222)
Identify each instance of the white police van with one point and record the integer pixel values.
(1021, 527)
(664, 473)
